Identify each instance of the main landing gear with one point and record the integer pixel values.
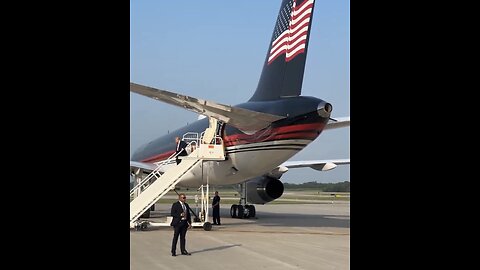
(242, 209)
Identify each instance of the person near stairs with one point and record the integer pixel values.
(180, 149)
(216, 209)
(181, 222)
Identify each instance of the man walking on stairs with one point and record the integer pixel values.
(180, 149)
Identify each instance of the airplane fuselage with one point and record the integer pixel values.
(248, 155)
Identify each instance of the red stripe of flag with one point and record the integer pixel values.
(290, 41)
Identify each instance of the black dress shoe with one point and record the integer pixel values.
(186, 253)
(174, 254)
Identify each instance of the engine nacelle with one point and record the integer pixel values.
(264, 189)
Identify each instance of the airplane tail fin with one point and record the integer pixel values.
(282, 73)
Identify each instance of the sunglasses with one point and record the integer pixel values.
(184, 197)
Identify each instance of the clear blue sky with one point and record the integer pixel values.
(215, 50)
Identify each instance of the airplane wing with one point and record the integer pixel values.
(246, 120)
(319, 165)
(338, 123)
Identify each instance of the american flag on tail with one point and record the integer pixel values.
(291, 29)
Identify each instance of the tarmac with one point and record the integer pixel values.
(281, 236)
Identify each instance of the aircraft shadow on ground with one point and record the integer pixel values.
(297, 220)
(279, 219)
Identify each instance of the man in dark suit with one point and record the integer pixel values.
(181, 222)
(216, 209)
(180, 149)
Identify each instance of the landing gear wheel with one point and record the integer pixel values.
(233, 211)
(207, 226)
(143, 227)
(251, 211)
(241, 212)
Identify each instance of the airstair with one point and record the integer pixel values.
(148, 191)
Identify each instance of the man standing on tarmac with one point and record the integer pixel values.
(181, 222)
(216, 209)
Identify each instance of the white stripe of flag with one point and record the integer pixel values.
(292, 41)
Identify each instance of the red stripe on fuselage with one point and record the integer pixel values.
(301, 132)
(295, 135)
(158, 157)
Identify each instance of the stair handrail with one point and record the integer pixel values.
(157, 169)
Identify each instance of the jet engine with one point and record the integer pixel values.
(264, 189)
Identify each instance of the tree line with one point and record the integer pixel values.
(325, 187)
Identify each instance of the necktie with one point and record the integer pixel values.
(184, 211)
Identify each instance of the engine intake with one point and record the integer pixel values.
(264, 189)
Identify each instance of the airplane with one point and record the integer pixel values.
(259, 136)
